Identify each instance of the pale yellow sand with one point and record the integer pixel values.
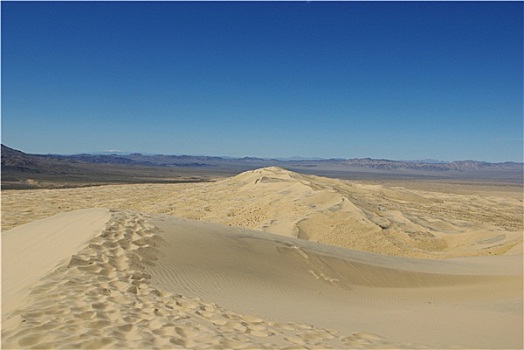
(30, 251)
(97, 278)
(380, 219)
(152, 281)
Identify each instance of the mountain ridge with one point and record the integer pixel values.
(22, 170)
(202, 160)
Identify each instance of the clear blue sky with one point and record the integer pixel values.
(401, 80)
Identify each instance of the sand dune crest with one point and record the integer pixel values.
(373, 218)
(150, 281)
(33, 250)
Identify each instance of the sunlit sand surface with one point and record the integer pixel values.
(266, 259)
(386, 220)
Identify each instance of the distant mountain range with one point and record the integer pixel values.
(21, 170)
(14, 159)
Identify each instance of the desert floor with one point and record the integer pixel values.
(265, 259)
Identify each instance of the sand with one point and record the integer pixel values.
(381, 219)
(32, 250)
(137, 278)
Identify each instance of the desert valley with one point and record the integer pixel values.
(264, 258)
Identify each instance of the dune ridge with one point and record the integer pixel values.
(373, 218)
(265, 259)
(23, 246)
(103, 297)
(154, 281)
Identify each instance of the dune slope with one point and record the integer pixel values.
(153, 281)
(35, 249)
(373, 218)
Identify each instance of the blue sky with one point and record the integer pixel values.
(397, 80)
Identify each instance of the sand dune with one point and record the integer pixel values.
(374, 218)
(154, 281)
(33, 250)
(265, 264)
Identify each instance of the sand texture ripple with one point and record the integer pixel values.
(153, 281)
